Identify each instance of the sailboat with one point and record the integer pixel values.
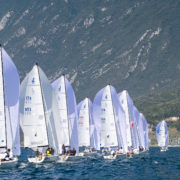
(9, 110)
(162, 135)
(108, 118)
(140, 130)
(38, 117)
(67, 110)
(86, 130)
(131, 125)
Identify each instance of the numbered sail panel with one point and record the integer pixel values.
(84, 124)
(108, 126)
(2, 110)
(34, 122)
(33, 107)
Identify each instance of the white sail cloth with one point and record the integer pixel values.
(9, 105)
(109, 119)
(86, 130)
(123, 99)
(162, 134)
(38, 113)
(131, 124)
(67, 110)
(146, 136)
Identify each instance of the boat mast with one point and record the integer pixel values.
(128, 116)
(89, 123)
(114, 115)
(3, 96)
(67, 110)
(43, 107)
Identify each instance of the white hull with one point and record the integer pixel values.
(117, 156)
(36, 160)
(163, 150)
(110, 157)
(10, 163)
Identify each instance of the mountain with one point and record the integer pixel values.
(131, 44)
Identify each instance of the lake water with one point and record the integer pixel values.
(152, 165)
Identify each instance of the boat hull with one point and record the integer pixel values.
(36, 160)
(10, 163)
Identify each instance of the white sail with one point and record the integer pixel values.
(146, 137)
(124, 102)
(109, 116)
(108, 126)
(51, 114)
(162, 134)
(9, 105)
(60, 93)
(3, 139)
(32, 112)
(67, 110)
(84, 123)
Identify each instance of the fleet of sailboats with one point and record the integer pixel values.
(50, 123)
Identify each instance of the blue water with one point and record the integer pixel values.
(153, 165)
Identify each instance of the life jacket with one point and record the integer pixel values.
(48, 152)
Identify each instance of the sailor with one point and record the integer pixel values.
(48, 152)
(9, 155)
(52, 151)
(38, 153)
(73, 152)
(63, 149)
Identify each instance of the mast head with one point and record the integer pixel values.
(0, 45)
(36, 64)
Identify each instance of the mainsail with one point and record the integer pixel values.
(140, 130)
(123, 99)
(9, 104)
(66, 102)
(85, 123)
(162, 134)
(108, 136)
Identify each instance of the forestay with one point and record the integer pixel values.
(9, 104)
